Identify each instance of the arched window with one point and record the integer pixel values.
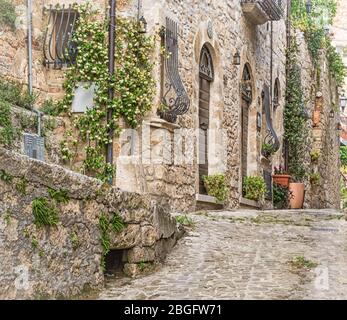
(246, 99)
(206, 76)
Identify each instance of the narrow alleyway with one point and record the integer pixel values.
(247, 255)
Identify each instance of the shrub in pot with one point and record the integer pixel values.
(254, 188)
(216, 186)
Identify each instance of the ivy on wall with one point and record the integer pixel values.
(295, 129)
(133, 85)
(314, 25)
(7, 14)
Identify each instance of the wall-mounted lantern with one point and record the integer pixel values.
(236, 59)
(332, 114)
(143, 25)
(308, 6)
(343, 103)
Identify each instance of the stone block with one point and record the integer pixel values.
(141, 254)
(148, 235)
(128, 238)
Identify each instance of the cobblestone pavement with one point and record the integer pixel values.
(249, 255)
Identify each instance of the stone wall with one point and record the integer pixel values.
(65, 259)
(320, 98)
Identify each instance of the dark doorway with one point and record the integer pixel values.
(114, 262)
(246, 99)
(205, 79)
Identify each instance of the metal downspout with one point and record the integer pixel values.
(111, 56)
(30, 62)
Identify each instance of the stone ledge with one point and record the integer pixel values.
(249, 203)
(206, 202)
(207, 198)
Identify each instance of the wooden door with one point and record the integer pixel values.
(204, 114)
(244, 136)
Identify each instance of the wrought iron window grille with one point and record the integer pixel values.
(271, 136)
(175, 100)
(58, 47)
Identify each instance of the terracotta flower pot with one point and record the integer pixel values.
(281, 179)
(298, 193)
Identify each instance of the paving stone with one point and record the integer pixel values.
(247, 260)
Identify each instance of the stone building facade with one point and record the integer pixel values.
(245, 52)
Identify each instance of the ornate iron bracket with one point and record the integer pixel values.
(58, 48)
(271, 138)
(175, 100)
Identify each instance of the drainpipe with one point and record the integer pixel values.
(30, 62)
(271, 66)
(111, 68)
(288, 34)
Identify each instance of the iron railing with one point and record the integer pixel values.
(274, 9)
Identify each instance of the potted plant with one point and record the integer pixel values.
(267, 150)
(297, 189)
(254, 188)
(281, 177)
(216, 186)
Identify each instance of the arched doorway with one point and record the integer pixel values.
(246, 99)
(206, 76)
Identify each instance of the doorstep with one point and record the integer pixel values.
(206, 202)
(246, 203)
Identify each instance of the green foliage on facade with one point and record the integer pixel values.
(21, 186)
(7, 14)
(315, 178)
(314, 26)
(60, 196)
(295, 128)
(7, 132)
(108, 225)
(254, 188)
(44, 212)
(14, 94)
(315, 155)
(281, 196)
(133, 85)
(5, 176)
(216, 186)
(343, 155)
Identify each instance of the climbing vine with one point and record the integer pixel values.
(133, 85)
(314, 25)
(7, 14)
(295, 129)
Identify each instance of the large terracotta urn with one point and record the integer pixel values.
(281, 179)
(297, 191)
